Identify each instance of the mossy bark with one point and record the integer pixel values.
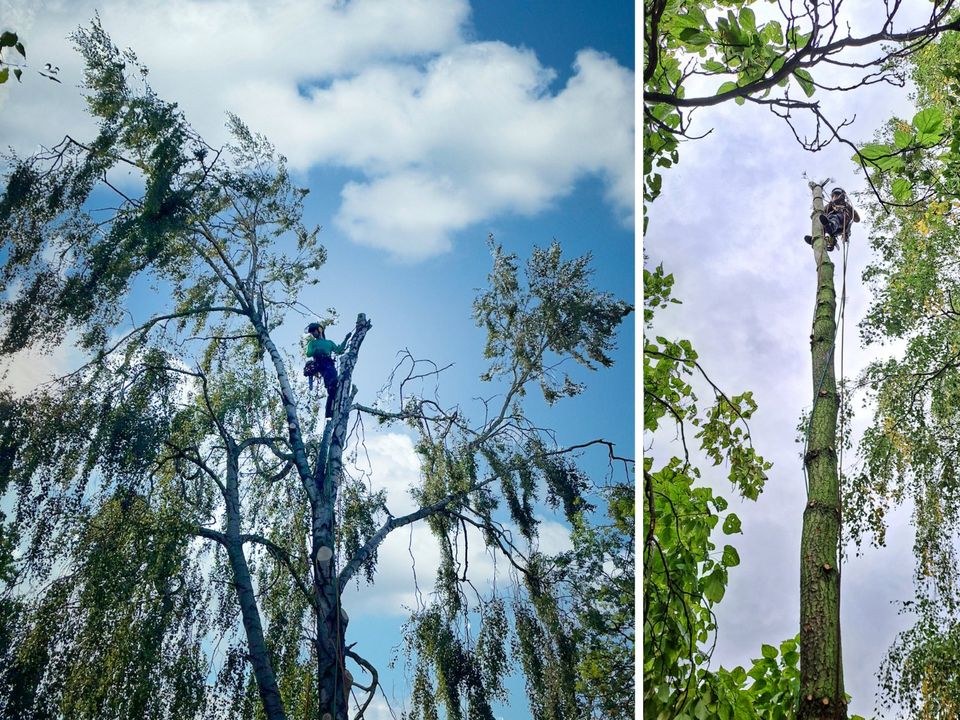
(821, 668)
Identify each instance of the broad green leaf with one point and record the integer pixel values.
(20, 49)
(726, 87)
(929, 121)
(4, 75)
(773, 32)
(731, 524)
(689, 20)
(769, 651)
(902, 139)
(730, 556)
(805, 80)
(714, 585)
(714, 66)
(874, 151)
(748, 21)
(901, 189)
(8, 39)
(694, 37)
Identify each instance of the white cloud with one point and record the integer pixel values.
(443, 132)
(28, 369)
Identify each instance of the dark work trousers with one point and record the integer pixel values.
(326, 368)
(835, 224)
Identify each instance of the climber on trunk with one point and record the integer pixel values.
(836, 219)
(320, 362)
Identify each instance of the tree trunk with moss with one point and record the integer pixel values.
(821, 668)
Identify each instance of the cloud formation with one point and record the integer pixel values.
(441, 132)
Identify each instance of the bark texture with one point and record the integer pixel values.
(243, 583)
(821, 668)
(333, 680)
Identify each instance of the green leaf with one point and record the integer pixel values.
(806, 81)
(731, 524)
(884, 157)
(748, 20)
(714, 66)
(17, 73)
(4, 75)
(694, 37)
(714, 585)
(874, 151)
(689, 20)
(901, 190)
(8, 39)
(773, 32)
(20, 49)
(726, 87)
(730, 556)
(769, 651)
(902, 139)
(929, 121)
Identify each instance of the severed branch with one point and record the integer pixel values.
(374, 682)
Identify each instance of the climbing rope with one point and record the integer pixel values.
(838, 323)
(840, 327)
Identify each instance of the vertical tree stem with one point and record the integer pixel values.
(821, 671)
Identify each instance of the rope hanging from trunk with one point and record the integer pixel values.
(816, 395)
(840, 327)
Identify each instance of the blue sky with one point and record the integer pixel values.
(420, 128)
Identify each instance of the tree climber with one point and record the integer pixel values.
(836, 218)
(320, 361)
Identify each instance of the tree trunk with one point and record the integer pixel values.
(256, 645)
(821, 669)
(333, 682)
(246, 597)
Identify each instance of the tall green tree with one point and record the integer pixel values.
(910, 450)
(180, 493)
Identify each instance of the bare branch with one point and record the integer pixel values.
(350, 569)
(284, 558)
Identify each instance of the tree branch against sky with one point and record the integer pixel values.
(750, 52)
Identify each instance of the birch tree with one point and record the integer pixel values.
(183, 518)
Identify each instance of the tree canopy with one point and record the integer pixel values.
(183, 520)
(909, 451)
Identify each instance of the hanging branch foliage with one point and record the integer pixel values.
(909, 452)
(180, 512)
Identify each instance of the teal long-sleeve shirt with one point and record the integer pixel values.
(323, 346)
